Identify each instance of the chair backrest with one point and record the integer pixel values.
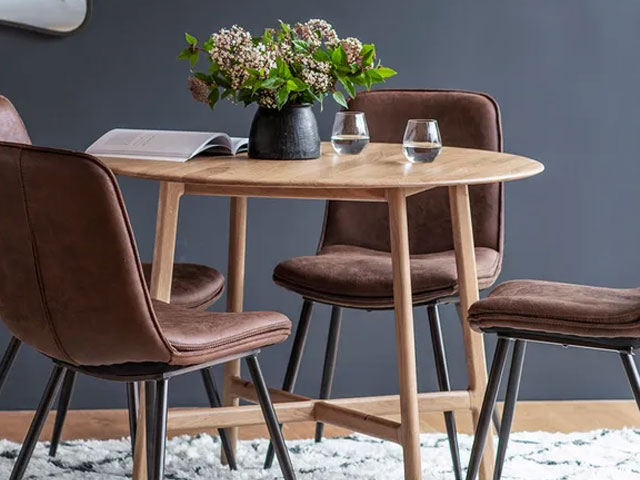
(12, 127)
(71, 283)
(466, 119)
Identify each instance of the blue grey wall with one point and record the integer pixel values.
(566, 75)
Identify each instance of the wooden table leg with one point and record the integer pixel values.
(235, 291)
(405, 341)
(468, 285)
(161, 276)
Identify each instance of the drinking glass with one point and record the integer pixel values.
(350, 133)
(421, 143)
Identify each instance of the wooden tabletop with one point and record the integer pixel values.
(380, 165)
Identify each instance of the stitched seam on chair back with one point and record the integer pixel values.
(36, 265)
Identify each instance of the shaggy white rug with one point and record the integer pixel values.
(601, 455)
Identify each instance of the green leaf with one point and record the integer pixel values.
(285, 27)
(339, 98)
(386, 72)
(359, 79)
(202, 76)
(296, 85)
(208, 45)
(321, 56)
(213, 97)
(245, 96)
(272, 83)
(221, 80)
(280, 66)
(227, 93)
(191, 55)
(249, 83)
(348, 85)
(368, 53)
(191, 40)
(300, 46)
(283, 69)
(342, 69)
(367, 79)
(185, 54)
(214, 68)
(282, 96)
(339, 57)
(267, 38)
(310, 96)
(375, 76)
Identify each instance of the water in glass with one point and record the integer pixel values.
(350, 133)
(421, 142)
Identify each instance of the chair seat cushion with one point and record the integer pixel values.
(560, 308)
(193, 286)
(197, 336)
(362, 278)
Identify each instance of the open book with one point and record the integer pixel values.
(167, 145)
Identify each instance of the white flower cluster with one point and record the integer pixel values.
(199, 89)
(237, 55)
(316, 31)
(352, 46)
(268, 99)
(235, 52)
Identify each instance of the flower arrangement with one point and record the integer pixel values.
(289, 65)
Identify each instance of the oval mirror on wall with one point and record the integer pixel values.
(56, 17)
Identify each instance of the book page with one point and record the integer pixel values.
(239, 145)
(152, 144)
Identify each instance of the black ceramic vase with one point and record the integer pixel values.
(287, 134)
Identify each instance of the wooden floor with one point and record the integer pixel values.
(530, 416)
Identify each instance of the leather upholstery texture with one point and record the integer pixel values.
(560, 308)
(71, 283)
(362, 277)
(193, 286)
(360, 230)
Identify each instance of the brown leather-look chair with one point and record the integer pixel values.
(72, 287)
(193, 286)
(352, 267)
(523, 311)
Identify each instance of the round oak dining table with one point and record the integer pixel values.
(379, 174)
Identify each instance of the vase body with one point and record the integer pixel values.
(287, 134)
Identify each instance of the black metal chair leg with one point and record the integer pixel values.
(133, 400)
(495, 415)
(38, 422)
(490, 397)
(150, 416)
(8, 359)
(444, 384)
(271, 419)
(159, 430)
(330, 356)
(513, 387)
(632, 374)
(214, 402)
(293, 366)
(64, 400)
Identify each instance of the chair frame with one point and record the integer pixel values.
(328, 370)
(66, 392)
(625, 347)
(157, 377)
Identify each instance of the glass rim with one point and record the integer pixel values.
(422, 120)
(349, 112)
